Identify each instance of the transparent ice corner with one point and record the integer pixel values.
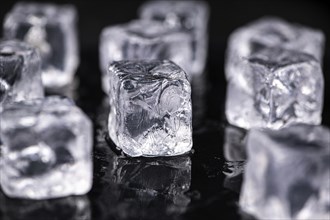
(150, 108)
(46, 149)
(52, 29)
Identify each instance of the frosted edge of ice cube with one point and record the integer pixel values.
(142, 40)
(197, 16)
(284, 87)
(158, 137)
(286, 157)
(23, 82)
(36, 164)
(295, 37)
(63, 15)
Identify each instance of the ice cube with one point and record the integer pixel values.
(190, 16)
(142, 40)
(52, 29)
(132, 186)
(46, 150)
(285, 87)
(269, 32)
(288, 173)
(150, 108)
(20, 76)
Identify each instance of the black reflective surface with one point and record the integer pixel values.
(204, 184)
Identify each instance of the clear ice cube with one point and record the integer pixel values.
(269, 32)
(190, 16)
(150, 111)
(52, 29)
(288, 173)
(285, 87)
(20, 75)
(46, 151)
(142, 40)
(132, 186)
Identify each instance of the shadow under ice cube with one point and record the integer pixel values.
(150, 108)
(52, 30)
(284, 87)
(20, 76)
(189, 16)
(288, 173)
(143, 40)
(46, 151)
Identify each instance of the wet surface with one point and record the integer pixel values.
(203, 184)
(191, 186)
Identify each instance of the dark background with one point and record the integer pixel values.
(209, 198)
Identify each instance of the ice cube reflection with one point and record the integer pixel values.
(137, 188)
(73, 208)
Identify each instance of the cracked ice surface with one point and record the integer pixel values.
(274, 75)
(150, 108)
